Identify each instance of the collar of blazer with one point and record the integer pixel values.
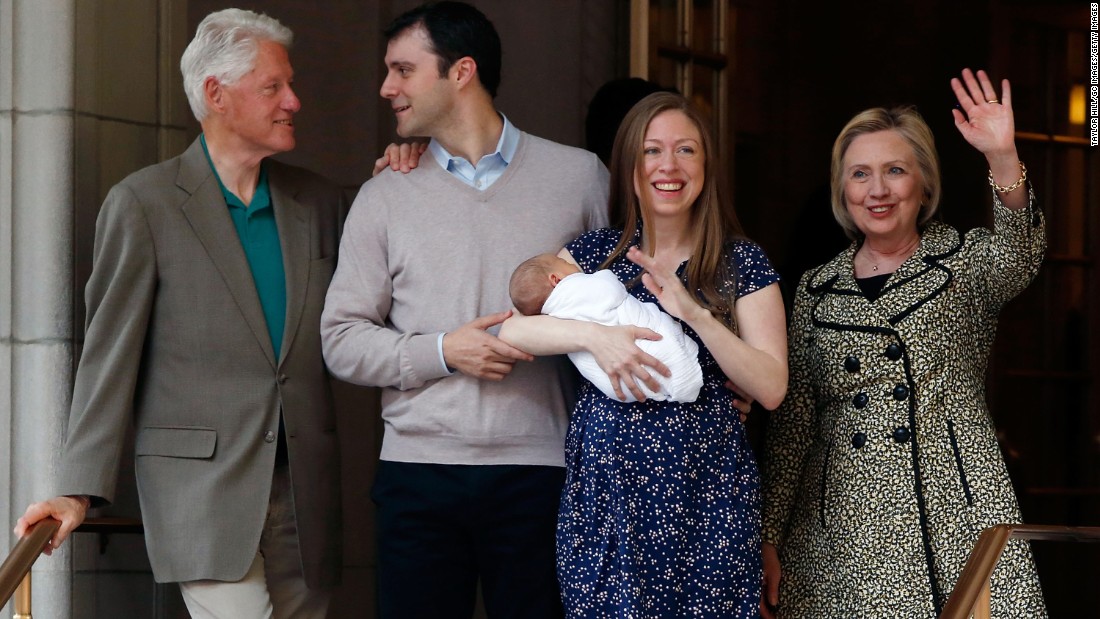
(921, 278)
(208, 215)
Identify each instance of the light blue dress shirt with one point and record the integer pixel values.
(489, 169)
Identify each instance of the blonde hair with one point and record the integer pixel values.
(907, 122)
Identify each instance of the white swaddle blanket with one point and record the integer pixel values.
(600, 297)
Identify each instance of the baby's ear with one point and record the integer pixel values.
(554, 279)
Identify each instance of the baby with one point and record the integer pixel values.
(547, 284)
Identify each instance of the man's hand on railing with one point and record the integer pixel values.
(69, 510)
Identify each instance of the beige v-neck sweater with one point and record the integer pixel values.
(422, 254)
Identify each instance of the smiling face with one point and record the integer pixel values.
(259, 109)
(882, 186)
(672, 168)
(420, 96)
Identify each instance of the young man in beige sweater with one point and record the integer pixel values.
(472, 458)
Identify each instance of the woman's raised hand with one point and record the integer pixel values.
(986, 120)
(667, 287)
(989, 127)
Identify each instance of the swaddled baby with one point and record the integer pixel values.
(547, 284)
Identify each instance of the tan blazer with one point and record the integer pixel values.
(176, 343)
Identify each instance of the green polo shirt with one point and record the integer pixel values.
(255, 224)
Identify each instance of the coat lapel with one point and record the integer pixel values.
(209, 217)
(917, 281)
(292, 219)
(922, 277)
(839, 303)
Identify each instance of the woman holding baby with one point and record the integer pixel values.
(660, 514)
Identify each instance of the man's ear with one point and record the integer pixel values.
(463, 71)
(213, 91)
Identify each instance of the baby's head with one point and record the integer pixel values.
(533, 280)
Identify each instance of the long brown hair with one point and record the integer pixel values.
(713, 219)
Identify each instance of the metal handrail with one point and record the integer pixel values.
(16, 568)
(971, 597)
(105, 525)
(15, 574)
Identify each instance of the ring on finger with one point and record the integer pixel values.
(992, 101)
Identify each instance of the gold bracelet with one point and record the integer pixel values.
(1013, 186)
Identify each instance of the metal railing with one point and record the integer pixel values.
(971, 597)
(15, 573)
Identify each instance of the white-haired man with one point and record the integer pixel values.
(204, 306)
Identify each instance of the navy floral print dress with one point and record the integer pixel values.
(660, 514)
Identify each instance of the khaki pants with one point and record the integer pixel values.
(274, 587)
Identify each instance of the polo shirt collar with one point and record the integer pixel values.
(261, 198)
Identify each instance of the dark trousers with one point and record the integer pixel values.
(443, 527)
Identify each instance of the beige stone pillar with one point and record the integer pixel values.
(36, 292)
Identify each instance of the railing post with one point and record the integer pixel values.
(23, 599)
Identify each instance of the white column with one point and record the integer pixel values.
(6, 523)
(38, 256)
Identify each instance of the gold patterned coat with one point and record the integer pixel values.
(882, 466)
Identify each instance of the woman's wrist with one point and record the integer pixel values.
(586, 334)
(700, 316)
(1004, 167)
(1006, 189)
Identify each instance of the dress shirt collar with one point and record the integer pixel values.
(489, 168)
